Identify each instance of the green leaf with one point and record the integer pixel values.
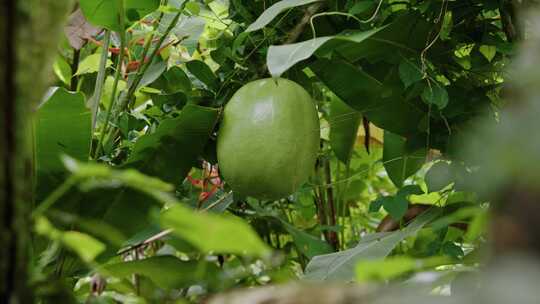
(399, 162)
(447, 25)
(384, 269)
(344, 123)
(193, 7)
(62, 126)
(211, 232)
(108, 90)
(152, 73)
(383, 104)
(166, 271)
(106, 13)
(85, 246)
(393, 267)
(408, 190)
(203, 72)
(90, 64)
(439, 176)
(189, 29)
(489, 51)
(376, 205)
(62, 70)
(360, 7)
(306, 243)
(396, 206)
(452, 250)
(436, 95)
(274, 10)
(171, 151)
(103, 13)
(409, 72)
(354, 86)
(341, 265)
(176, 81)
(280, 58)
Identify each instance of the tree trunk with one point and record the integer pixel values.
(29, 31)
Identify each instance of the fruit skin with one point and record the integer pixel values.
(269, 138)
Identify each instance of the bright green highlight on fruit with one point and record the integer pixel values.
(269, 138)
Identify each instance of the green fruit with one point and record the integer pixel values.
(269, 139)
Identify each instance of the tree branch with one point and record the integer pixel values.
(299, 28)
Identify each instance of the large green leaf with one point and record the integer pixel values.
(280, 58)
(401, 161)
(341, 265)
(165, 271)
(354, 86)
(170, 152)
(344, 123)
(105, 13)
(382, 103)
(62, 126)
(203, 72)
(406, 34)
(274, 10)
(211, 232)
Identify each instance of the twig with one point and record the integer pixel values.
(334, 241)
(152, 239)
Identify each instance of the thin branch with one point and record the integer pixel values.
(334, 241)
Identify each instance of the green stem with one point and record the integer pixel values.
(98, 90)
(54, 196)
(116, 79)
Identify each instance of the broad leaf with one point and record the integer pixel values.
(214, 232)
(280, 58)
(306, 243)
(396, 206)
(439, 176)
(190, 28)
(203, 72)
(274, 10)
(382, 104)
(85, 246)
(398, 160)
(171, 151)
(62, 127)
(435, 94)
(341, 265)
(354, 86)
(344, 123)
(409, 72)
(106, 13)
(90, 64)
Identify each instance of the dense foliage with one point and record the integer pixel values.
(130, 203)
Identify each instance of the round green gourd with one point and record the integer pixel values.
(269, 138)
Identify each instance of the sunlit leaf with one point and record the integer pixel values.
(268, 15)
(214, 233)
